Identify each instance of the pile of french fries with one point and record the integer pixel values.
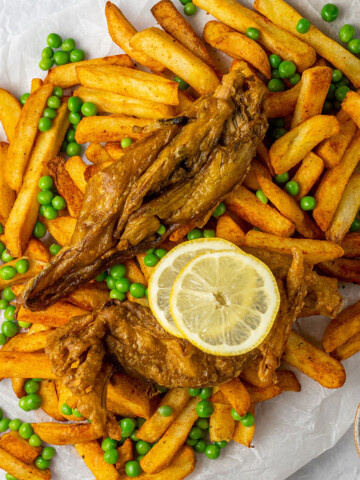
(321, 153)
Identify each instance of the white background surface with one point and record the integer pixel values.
(292, 429)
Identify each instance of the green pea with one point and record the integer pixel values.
(26, 431)
(221, 443)
(336, 76)
(303, 25)
(275, 73)
(23, 404)
(9, 329)
(3, 339)
(8, 294)
(212, 452)
(15, 424)
(46, 183)
(133, 468)
(127, 425)
(33, 401)
(74, 118)
(9, 312)
(4, 424)
(165, 410)
(205, 393)
(202, 423)
(2, 247)
(111, 456)
(329, 12)
(73, 149)
(3, 304)
(41, 463)
(123, 285)
(76, 413)
(65, 409)
(118, 271)
(278, 132)
(111, 282)
(209, 233)
(276, 85)
(10, 477)
(204, 409)
(134, 436)
(184, 2)
(48, 453)
(47, 52)
(161, 230)
(108, 444)
(49, 113)
(292, 188)
(252, 33)
(114, 293)
(44, 124)
(50, 213)
(287, 69)
(61, 58)
(6, 257)
(190, 9)
(54, 40)
(354, 46)
(341, 92)
(24, 324)
(191, 442)
(194, 234)
(77, 55)
(70, 135)
(261, 196)
(31, 386)
(295, 79)
(101, 277)
(68, 44)
(355, 226)
(182, 84)
(196, 433)
(160, 252)
(140, 421)
(275, 60)
(193, 392)
(327, 107)
(7, 272)
(308, 203)
(200, 446)
(74, 104)
(45, 197)
(59, 203)
(151, 250)
(24, 97)
(331, 92)
(42, 209)
(39, 230)
(151, 259)
(58, 92)
(247, 420)
(346, 33)
(89, 109)
(235, 415)
(46, 63)
(143, 447)
(337, 105)
(35, 440)
(126, 142)
(137, 290)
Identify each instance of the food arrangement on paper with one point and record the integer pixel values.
(214, 209)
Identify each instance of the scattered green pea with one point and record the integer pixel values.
(46, 183)
(182, 84)
(41, 463)
(15, 424)
(252, 33)
(108, 444)
(68, 44)
(247, 420)
(287, 69)
(61, 58)
(44, 124)
(205, 393)
(354, 46)
(74, 104)
(48, 453)
(341, 92)
(50, 213)
(303, 25)
(114, 293)
(195, 234)
(292, 188)
(77, 55)
(6, 257)
(59, 203)
(261, 196)
(200, 446)
(66, 410)
(202, 423)
(196, 433)
(74, 118)
(329, 12)
(161, 230)
(4, 424)
(346, 33)
(160, 252)
(143, 447)
(49, 113)
(295, 79)
(45, 197)
(39, 230)
(276, 85)
(26, 431)
(127, 425)
(221, 443)
(24, 324)
(58, 92)
(54, 40)
(355, 226)
(275, 60)
(8, 294)
(190, 9)
(7, 272)
(126, 142)
(73, 149)
(35, 440)
(24, 97)
(165, 411)
(308, 203)
(31, 386)
(9, 312)
(212, 452)
(89, 109)
(133, 468)
(3, 304)
(46, 63)
(3, 339)
(204, 409)
(209, 233)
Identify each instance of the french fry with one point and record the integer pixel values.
(351, 245)
(281, 104)
(20, 470)
(66, 186)
(65, 75)
(291, 148)
(250, 181)
(23, 342)
(156, 426)
(36, 250)
(89, 297)
(332, 149)
(283, 14)
(313, 362)
(7, 195)
(121, 31)
(263, 155)
(96, 153)
(238, 396)
(222, 424)
(23, 216)
(67, 397)
(180, 233)
(347, 349)
(250, 374)
(351, 106)
(65, 434)
(261, 394)
(308, 174)
(93, 456)
(76, 167)
(114, 150)
(25, 365)
(19, 447)
(61, 228)
(54, 316)
(108, 102)
(126, 454)
(125, 396)
(345, 269)
(10, 110)
(168, 51)
(50, 400)
(244, 435)
(37, 327)
(18, 386)
(287, 381)
(246, 205)
(147, 271)
(35, 84)
(228, 229)
(314, 251)
(315, 83)
(237, 46)
(109, 129)
(129, 82)
(272, 37)
(35, 267)
(342, 328)
(333, 184)
(24, 137)
(17, 289)
(167, 448)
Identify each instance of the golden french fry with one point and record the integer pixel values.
(89, 297)
(314, 251)
(250, 374)
(133, 272)
(93, 456)
(18, 385)
(7, 195)
(342, 328)
(92, 170)
(351, 106)
(263, 155)
(237, 46)
(96, 153)
(282, 104)
(23, 342)
(333, 184)
(250, 181)
(313, 362)
(244, 435)
(156, 426)
(17, 289)
(114, 150)
(287, 381)
(20, 470)
(65, 75)
(65, 434)
(222, 424)
(35, 84)
(228, 229)
(25, 133)
(293, 147)
(159, 457)
(10, 110)
(238, 396)
(180, 233)
(19, 447)
(37, 327)
(50, 399)
(61, 228)
(76, 167)
(35, 267)
(246, 205)
(347, 349)
(24, 214)
(307, 174)
(66, 396)
(345, 269)
(287, 17)
(66, 186)
(351, 245)
(25, 365)
(315, 83)
(126, 454)
(125, 396)
(162, 47)
(36, 250)
(121, 31)
(54, 316)
(272, 37)
(130, 82)
(332, 149)
(261, 394)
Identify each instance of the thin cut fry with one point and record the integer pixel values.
(307, 174)
(238, 396)
(76, 167)
(228, 229)
(93, 456)
(65, 434)
(348, 349)
(222, 424)
(345, 269)
(20, 470)
(61, 228)
(244, 435)
(7, 195)
(10, 110)
(281, 104)
(342, 328)
(54, 316)
(95, 153)
(19, 447)
(25, 365)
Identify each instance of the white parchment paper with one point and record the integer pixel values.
(291, 429)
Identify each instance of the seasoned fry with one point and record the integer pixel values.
(283, 14)
(246, 205)
(61, 228)
(308, 174)
(351, 245)
(351, 106)
(95, 153)
(35, 267)
(333, 184)
(18, 385)
(54, 316)
(114, 150)
(65, 434)
(93, 456)
(313, 362)
(24, 214)
(228, 229)
(126, 396)
(7, 195)
(263, 155)
(24, 137)
(65, 396)
(165, 49)
(156, 426)
(25, 365)
(332, 149)
(292, 147)
(50, 399)
(345, 269)
(261, 394)
(164, 452)
(347, 349)
(244, 435)
(287, 381)
(272, 37)
(314, 251)
(250, 374)
(10, 110)
(222, 424)
(342, 328)
(282, 104)
(20, 470)
(121, 31)
(180, 233)
(90, 296)
(238, 396)
(237, 46)
(250, 181)
(36, 250)
(108, 102)
(23, 342)
(19, 447)
(35, 84)
(65, 75)
(76, 167)
(315, 83)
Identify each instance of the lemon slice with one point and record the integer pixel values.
(167, 270)
(225, 302)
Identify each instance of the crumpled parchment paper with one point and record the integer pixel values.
(291, 429)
